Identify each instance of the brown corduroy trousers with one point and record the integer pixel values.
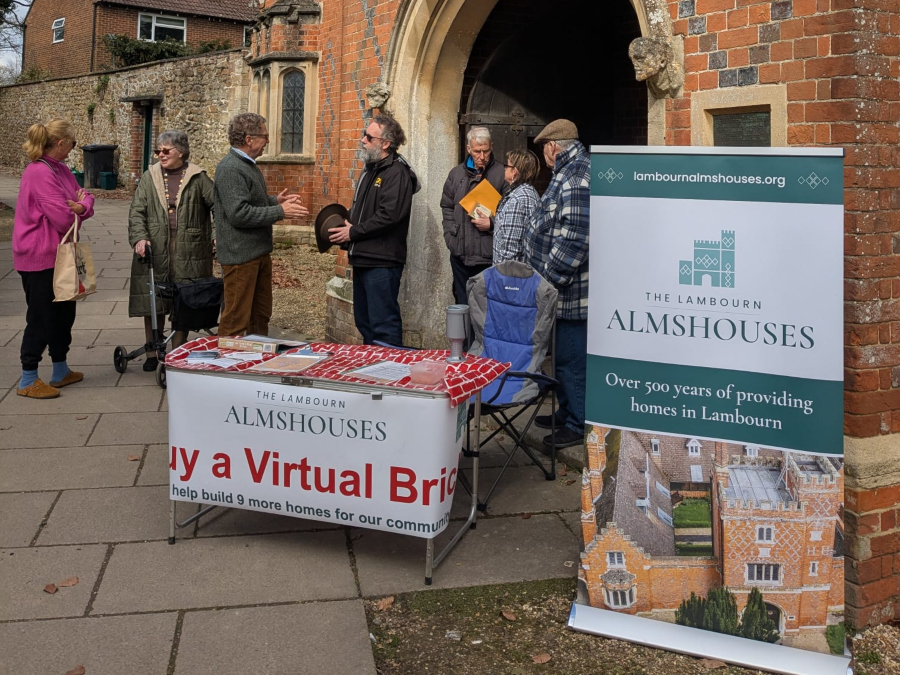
(248, 298)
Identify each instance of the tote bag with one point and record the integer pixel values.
(73, 273)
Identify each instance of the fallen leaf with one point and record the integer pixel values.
(384, 603)
(562, 469)
(543, 657)
(134, 458)
(5, 428)
(712, 664)
(50, 588)
(526, 516)
(68, 583)
(569, 563)
(84, 417)
(76, 671)
(570, 482)
(509, 615)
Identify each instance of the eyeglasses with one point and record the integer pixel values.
(369, 137)
(509, 166)
(266, 136)
(162, 151)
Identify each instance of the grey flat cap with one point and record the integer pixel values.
(557, 130)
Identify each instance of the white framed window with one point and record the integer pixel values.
(696, 473)
(665, 517)
(156, 27)
(693, 447)
(662, 488)
(620, 599)
(751, 450)
(814, 568)
(642, 504)
(59, 30)
(615, 559)
(654, 446)
(764, 533)
(763, 573)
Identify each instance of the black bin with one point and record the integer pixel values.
(97, 158)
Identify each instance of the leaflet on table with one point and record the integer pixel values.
(289, 363)
(259, 343)
(382, 372)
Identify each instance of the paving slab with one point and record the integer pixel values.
(308, 639)
(134, 376)
(94, 376)
(226, 571)
(22, 516)
(46, 431)
(156, 466)
(112, 515)
(84, 337)
(499, 550)
(138, 428)
(38, 469)
(81, 398)
(100, 321)
(12, 308)
(240, 521)
(112, 337)
(119, 645)
(112, 283)
(115, 272)
(521, 490)
(24, 572)
(91, 308)
(12, 322)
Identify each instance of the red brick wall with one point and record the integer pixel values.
(839, 59)
(124, 21)
(72, 56)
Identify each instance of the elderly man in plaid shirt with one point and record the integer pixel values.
(556, 246)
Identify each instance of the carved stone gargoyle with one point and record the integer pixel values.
(655, 63)
(377, 94)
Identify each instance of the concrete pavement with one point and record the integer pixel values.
(83, 494)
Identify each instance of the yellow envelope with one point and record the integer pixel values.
(483, 197)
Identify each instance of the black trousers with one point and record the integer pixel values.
(47, 323)
(461, 274)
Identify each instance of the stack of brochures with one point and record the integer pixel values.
(261, 344)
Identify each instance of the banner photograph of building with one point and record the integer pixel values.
(665, 518)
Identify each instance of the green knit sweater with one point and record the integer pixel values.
(244, 211)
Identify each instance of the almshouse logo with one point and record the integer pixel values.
(713, 263)
(611, 175)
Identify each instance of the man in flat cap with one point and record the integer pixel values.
(375, 233)
(556, 246)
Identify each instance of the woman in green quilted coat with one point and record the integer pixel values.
(171, 211)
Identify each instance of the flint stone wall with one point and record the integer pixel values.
(200, 94)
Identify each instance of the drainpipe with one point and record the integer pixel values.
(93, 37)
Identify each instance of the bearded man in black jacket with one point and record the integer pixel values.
(375, 234)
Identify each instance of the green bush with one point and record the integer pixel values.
(128, 51)
(33, 74)
(835, 637)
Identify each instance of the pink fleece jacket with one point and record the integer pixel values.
(42, 215)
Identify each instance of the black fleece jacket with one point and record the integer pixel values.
(380, 213)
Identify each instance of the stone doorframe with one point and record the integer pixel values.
(424, 68)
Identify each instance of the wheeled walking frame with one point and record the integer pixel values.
(195, 307)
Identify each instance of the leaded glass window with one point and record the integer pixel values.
(294, 93)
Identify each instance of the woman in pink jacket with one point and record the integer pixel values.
(49, 199)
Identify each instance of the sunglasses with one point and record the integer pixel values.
(162, 151)
(369, 137)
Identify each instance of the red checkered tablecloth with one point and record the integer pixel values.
(461, 380)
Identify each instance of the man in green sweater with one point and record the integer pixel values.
(244, 214)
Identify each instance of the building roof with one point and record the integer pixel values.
(237, 10)
(619, 502)
(756, 484)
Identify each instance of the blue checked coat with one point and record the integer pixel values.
(558, 232)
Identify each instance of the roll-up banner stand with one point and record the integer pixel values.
(712, 499)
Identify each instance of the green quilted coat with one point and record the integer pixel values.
(148, 219)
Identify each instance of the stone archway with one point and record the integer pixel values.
(426, 60)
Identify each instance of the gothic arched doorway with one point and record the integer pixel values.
(518, 78)
(431, 46)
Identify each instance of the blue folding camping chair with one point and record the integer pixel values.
(512, 310)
